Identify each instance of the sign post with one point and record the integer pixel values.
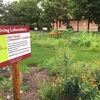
(16, 81)
(14, 47)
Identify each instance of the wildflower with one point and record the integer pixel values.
(94, 74)
(62, 89)
(92, 79)
(83, 77)
(75, 74)
(57, 79)
(98, 62)
(53, 84)
(74, 64)
(85, 89)
(60, 85)
(94, 85)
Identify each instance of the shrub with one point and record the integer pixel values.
(81, 80)
(85, 39)
(61, 62)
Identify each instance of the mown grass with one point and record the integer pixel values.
(40, 53)
(83, 54)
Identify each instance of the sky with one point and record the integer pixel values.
(5, 1)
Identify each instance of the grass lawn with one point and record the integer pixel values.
(85, 54)
(40, 53)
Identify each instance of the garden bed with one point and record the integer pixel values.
(32, 79)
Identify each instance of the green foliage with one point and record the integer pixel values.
(49, 90)
(71, 88)
(55, 30)
(61, 62)
(24, 12)
(24, 88)
(73, 80)
(6, 84)
(86, 40)
(53, 11)
(3, 83)
(81, 80)
(84, 9)
(45, 12)
(47, 42)
(68, 31)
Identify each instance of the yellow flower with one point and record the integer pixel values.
(60, 85)
(94, 85)
(53, 84)
(62, 89)
(83, 77)
(92, 79)
(94, 74)
(75, 74)
(94, 60)
(57, 79)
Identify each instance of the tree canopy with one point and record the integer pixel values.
(39, 13)
(85, 9)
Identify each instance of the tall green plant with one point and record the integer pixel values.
(85, 39)
(61, 62)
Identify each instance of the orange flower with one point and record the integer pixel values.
(83, 77)
(94, 74)
(92, 79)
(94, 85)
(57, 79)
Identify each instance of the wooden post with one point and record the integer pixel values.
(16, 81)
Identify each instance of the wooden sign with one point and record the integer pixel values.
(14, 46)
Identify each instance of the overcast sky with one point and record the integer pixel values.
(5, 1)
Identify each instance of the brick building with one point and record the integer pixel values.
(83, 24)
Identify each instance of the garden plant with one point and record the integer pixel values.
(72, 63)
(71, 80)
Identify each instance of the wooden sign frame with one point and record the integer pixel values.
(16, 81)
(14, 47)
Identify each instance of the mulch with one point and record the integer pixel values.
(33, 79)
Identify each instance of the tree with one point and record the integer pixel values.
(96, 11)
(24, 12)
(75, 8)
(29, 12)
(2, 12)
(85, 9)
(12, 14)
(55, 11)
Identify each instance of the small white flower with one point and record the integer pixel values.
(8, 69)
(21, 91)
(3, 68)
(8, 96)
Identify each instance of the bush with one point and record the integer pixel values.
(85, 39)
(61, 62)
(79, 80)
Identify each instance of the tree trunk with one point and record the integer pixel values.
(77, 25)
(53, 26)
(57, 24)
(38, 25)
(88, 28)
